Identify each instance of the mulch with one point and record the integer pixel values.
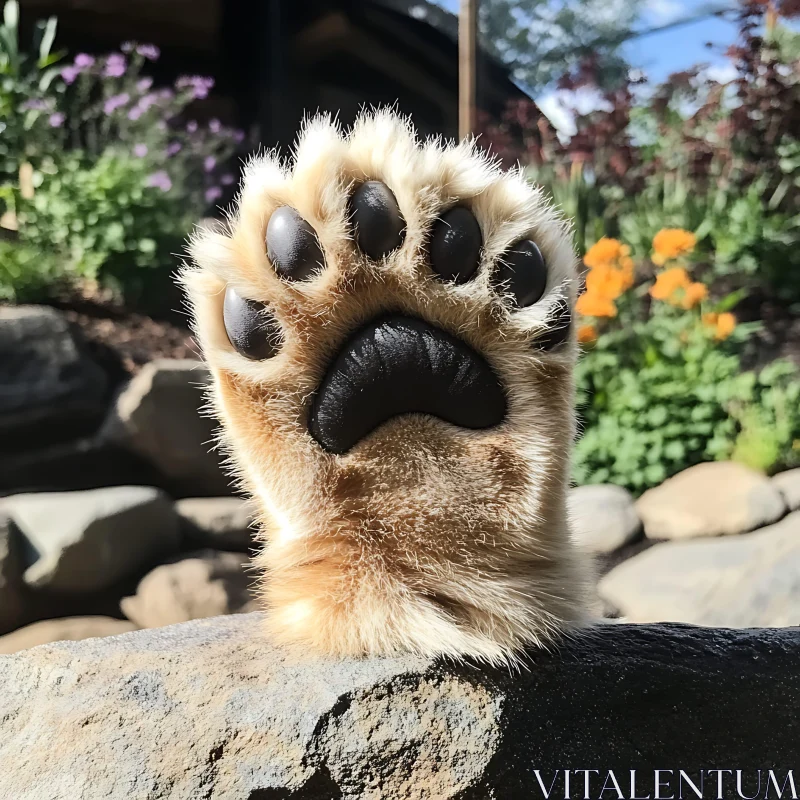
(123, 340)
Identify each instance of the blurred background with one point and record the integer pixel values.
(668, 131)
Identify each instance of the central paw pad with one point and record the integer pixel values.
(388, 325)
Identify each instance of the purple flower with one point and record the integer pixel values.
(173, 148)
(213, 194)
(115, 65)
(144, 84)
(84, 61)
(215, 126)
(127, 47)
(226, 179)
(160, 180)
(165, 94)
(238, 136)
(115, 102)
(56, 120)
(148, 51)
(69, 74)
(34, 105)
(209, 163)
(147, 101)
(140, 150)
(199, 86)
(191, 126)
(135, 113)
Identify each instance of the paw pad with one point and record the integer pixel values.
(251, 329)
(378, 224)
(456, 242)
(522, 274)
(292, 246)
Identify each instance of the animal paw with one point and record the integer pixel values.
(388, 325)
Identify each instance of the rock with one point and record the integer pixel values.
(788, 484)
(51, 388)
(221, 523)
(12, 603)
(67, 629)
(710, 500)
(85, 463)
(85, 541)
(205, 584)
(157, 415)
(211, 709)
(738, 582)
(603, 518)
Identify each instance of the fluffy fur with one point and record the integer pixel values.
(424, 537)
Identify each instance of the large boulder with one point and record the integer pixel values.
(603, 518)
(12, 599)
(211, 709)
(221, 523)
(711, 499)
(51, 388)
(741, 581)
(158, 416)
(788, 484)
(59, 630)
(86, 541)
(204, 584)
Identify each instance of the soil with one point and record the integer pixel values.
(123, 340)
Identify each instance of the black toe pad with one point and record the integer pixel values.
(399, 365)
(379, 226)
(292, 245)
(455, 247)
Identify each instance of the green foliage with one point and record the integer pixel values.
(103, 220)
(101, 174)
(660, 394)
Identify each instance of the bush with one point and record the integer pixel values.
(661, 386)
(104, 175)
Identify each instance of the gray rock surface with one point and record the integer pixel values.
(603, 517)
(199, 585)
(50, 386)
(85, 541)
(210, 709)
(221, 523)
(788, 484)
(66, 629)
(12, 603)
(711, 499)
(740, 581)
(157, 416)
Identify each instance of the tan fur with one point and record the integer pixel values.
(424, 537)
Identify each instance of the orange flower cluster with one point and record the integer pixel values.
(610, 274)
(677, 288)
(587, 334)
(671, 243)
(723, 324)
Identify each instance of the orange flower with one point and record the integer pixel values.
(605, 281)
(671, 243)
(587, 334)
(605, 253)
(723, 324)
(669, 282)
(693, 294)
(591, 304)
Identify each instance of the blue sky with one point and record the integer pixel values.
(677, 48)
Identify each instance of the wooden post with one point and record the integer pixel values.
(467, 56)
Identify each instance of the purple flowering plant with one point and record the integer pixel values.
(122, 168)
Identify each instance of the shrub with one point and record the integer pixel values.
(661, 385)
(110, 174)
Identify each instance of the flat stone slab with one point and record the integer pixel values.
(211, 709)
(714, 499)
(751, 580)
(65, 629)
